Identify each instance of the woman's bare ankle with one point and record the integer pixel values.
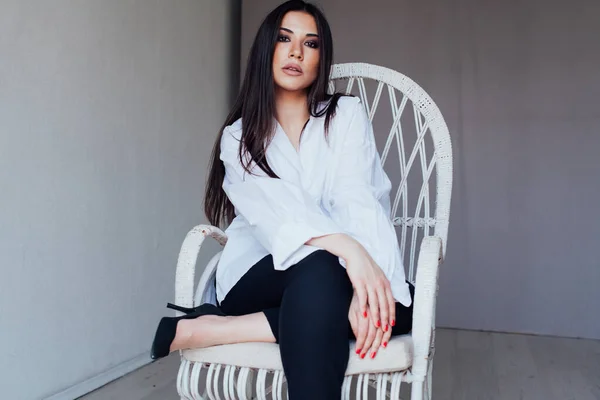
(182, 336)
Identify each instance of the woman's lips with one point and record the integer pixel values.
(292, 70)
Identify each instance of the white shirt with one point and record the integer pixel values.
(324, 188)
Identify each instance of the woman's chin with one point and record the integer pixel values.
(291, 87)
(291, 84)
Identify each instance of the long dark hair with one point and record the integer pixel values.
(255, 104)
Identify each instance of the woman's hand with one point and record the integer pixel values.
(368, 337)
(370, 283)
(372, 289)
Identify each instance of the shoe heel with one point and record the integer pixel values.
(186, 310)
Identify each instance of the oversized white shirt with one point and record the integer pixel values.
(330, 185)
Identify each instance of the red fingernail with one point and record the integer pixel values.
(393, 322)
(378, 324)
(385, 329)
(365, 314)
(384, 344)
(373, 355)
(362, 355)
(358, 351)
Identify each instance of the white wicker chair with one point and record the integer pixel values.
(254, 370)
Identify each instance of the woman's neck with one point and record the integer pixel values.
(291, 109)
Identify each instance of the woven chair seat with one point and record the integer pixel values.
(396, 357)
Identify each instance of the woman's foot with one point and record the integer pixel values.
(204, 331)
(169, 327)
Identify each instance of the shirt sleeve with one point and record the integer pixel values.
(281, 215)
(359, 195)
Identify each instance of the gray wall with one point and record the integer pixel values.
(108, 111)
(518, 84)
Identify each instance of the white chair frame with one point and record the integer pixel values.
(220, 379)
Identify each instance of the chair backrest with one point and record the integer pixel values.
(417, 143)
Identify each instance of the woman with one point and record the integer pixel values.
(312, 257)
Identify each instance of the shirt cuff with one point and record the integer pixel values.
(292, 236)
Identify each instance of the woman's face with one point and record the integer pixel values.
(296, 57)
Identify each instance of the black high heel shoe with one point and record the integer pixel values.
(167, 327)
(187, 310)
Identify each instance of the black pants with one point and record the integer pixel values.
(307, 309)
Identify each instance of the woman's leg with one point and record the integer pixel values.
(254, 312)
(213, 330)
(313, 321)
(251, 305)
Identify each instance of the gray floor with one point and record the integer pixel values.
(468, 365)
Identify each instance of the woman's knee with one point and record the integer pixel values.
(323, 276)
(320, 290)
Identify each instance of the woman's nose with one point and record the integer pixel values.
(296, 53)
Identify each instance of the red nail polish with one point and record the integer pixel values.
(393, 322)
(365, 314)
(378, 324)
(386, 328)
(373, 355)
(384, 344)
(362, 355)
(358, 351)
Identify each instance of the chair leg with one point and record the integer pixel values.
(417, 390)
(429, 381)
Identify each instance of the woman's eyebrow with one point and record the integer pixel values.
(292, 32)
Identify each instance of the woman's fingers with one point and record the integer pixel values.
(383, 304)
(387, 334)
(374, 306)
(362, 327)
(392, 303)
(376, 343)
(369, 341)
(361, 293)
(385, 339)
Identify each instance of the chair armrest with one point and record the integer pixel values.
(186, 262)
(426, 286)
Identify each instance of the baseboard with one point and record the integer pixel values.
(102, 379)
(521, 332)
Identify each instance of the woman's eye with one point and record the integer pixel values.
(283, 38)
(313, 44)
